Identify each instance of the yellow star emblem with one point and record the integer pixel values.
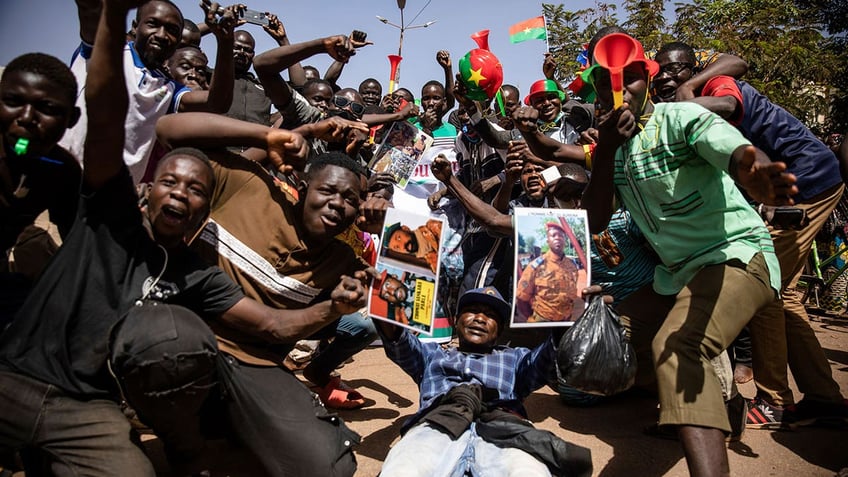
(476, 77)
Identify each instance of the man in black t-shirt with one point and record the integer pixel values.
(37, 95)
(117, 315)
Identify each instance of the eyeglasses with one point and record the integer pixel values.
(675, 68)
(357, 109)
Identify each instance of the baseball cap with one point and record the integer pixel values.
(487, 296)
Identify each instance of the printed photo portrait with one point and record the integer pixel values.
(408, 265)
(404, 299)
(552, 266)
(400, 151)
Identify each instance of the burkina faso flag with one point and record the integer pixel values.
(532, 29)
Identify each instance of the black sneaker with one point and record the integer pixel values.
(762, 415)
(817, 413)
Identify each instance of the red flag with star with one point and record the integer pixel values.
(532, 29)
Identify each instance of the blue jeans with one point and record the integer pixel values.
(352, 334)
(73, 437)
(427, 452)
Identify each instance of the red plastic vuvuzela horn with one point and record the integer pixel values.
(394, 61)
(480, 70)
(482, 39)
(614, 52)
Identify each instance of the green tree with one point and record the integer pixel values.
(529, 244)
(833, 14)
(789, 57)
(646, 21)
(797, 50)
(569, 30)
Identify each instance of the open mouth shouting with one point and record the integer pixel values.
(173, 215)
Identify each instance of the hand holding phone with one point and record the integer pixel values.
(255, 17)
(786, 217)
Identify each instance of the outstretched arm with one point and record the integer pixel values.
(220, 94)
(88, 12)
(288, 326)
(614, 128)
(410, 110)
(106, 97)
(207, 130)
(490, 218)
(334, 71)
(277, 31)
(497, 139)
(287, 150)
(268, 65)
(542, 146)
(512, 171)
(765, 181)
(724, 65)
(444, 60)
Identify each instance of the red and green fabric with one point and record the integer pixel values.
(481, 73)
(582, 89)
(532, 29)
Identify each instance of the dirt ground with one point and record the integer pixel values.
(612, 430)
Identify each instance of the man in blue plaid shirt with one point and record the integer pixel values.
(471, 399)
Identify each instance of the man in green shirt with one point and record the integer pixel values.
(677, 168)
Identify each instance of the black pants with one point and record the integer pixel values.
(167, 361)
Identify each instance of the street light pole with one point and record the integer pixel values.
(401, 4)
(402, 27)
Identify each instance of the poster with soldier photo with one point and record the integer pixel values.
(404, 292)
(552, 266)
(402, 147)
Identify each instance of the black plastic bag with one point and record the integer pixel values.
(594, 355)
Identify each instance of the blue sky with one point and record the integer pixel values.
(50, 26)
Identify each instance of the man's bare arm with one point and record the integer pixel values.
(724, 65)
(220, 95)
(269, 64)
(106, 98)
(288, 326)
(545, 148)
(765, 181)
(490, 218)
(88, 12)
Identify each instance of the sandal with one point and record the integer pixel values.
(338, 395)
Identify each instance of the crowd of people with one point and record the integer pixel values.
(179, 240)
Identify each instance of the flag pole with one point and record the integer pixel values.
(547, 41)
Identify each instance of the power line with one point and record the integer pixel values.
(419, 11)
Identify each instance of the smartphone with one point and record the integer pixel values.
(787, 218)
(551, 175)
(254, 17)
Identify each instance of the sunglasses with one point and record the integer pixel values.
(356, 108)
(675, 68)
